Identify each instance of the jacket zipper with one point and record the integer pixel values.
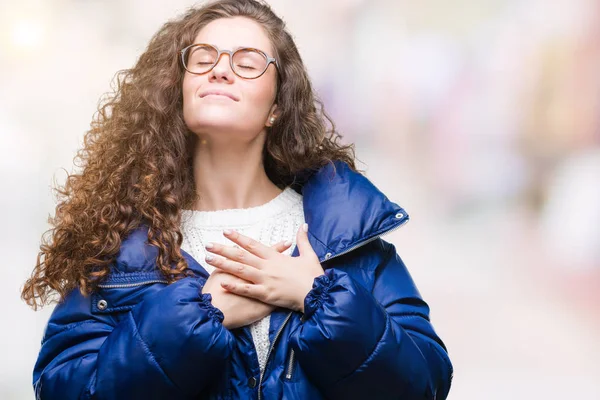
(262, 374)
(128, 285)
(290, 366)
(368, 240)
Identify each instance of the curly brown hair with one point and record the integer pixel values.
(136, 161)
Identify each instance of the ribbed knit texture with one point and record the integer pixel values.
(275, 221)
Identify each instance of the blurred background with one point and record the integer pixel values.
(480, 117)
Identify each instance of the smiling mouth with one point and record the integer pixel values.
(218, 95)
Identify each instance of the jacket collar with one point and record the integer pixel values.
(343, 210)
(342, 207)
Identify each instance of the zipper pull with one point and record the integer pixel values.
(290, 365)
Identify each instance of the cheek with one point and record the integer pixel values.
(263, 94)
(187, 90)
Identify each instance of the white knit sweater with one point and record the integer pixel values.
(275, 221)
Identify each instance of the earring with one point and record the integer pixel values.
(272, 120)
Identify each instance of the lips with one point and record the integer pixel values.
(219, 93)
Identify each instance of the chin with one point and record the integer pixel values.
(220, 122)
(216, 125)
(213, 121)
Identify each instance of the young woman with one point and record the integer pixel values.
(220, 244)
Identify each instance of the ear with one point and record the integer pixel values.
(272, 116)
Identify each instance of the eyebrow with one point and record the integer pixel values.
(246, 47)
(239, 47)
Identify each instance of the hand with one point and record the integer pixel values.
(237, 310)
(270, 277)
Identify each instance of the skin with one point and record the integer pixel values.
(228, 168)
(252, 279)
(237, 310)
(271, 277)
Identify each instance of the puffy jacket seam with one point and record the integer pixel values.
(372, 354)
(442, 352)
(390, 252)
(111, 310)
(413, 314)
(147, 350)
(87, 394)
(320, 241)
(446, 359)
(68, 328)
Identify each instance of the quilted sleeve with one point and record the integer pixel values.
(170, 345)
(356, 343)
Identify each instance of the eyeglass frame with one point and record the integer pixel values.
(270, 60)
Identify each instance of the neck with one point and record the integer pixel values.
(231, 175)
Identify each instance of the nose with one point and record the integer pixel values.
(222, 71)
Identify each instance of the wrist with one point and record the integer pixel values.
(300, 305)
(306, 288)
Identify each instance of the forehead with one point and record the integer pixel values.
(232, 33)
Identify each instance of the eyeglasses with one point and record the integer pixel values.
(245, 62)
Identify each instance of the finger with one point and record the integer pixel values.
(234, 253)
(282, 246)
(229, 278)
(252, 246)
(244, 289)
(235, 268)
(304, 247)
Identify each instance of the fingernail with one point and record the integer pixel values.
(305, 227)
(208, 257)
(227, 231)
(209, 245)
(287, 243)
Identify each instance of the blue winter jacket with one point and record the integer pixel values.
(365, 333)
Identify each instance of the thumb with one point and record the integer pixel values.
(302, 242)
